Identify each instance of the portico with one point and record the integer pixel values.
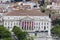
(27, 23)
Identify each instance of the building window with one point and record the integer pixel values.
(8, 23)
(22, 24)
(11, 24)
(47, 26)
(44, 23)
(34, 23)
(39, 23)
(25, 25)
(14, 23)
(34, 27)
(8, 27)
(5, 23)
(14, 17)
(44, 27)
(39, 26)
(22, 27)
(19, 23)
(8, 17)
(47, 23)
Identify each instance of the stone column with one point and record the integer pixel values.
(26, 25)
(23, 25)
(31, 25)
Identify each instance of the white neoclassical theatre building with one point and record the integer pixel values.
(32, 21)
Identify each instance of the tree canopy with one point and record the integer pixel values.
(4, 33)
(56, 30)
(57, 21)
(19, 33)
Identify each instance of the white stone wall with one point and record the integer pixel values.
(39, 22)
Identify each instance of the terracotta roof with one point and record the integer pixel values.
(22, 12)
(1, 10)
(58, 1)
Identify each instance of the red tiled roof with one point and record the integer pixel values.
(24, 12)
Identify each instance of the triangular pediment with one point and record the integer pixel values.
(26, 18)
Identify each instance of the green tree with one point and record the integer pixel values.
(4, 33)
(21, 35)
(56, 30)
(42, 9)
(57, 21)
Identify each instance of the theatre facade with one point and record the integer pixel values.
(32, 21)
